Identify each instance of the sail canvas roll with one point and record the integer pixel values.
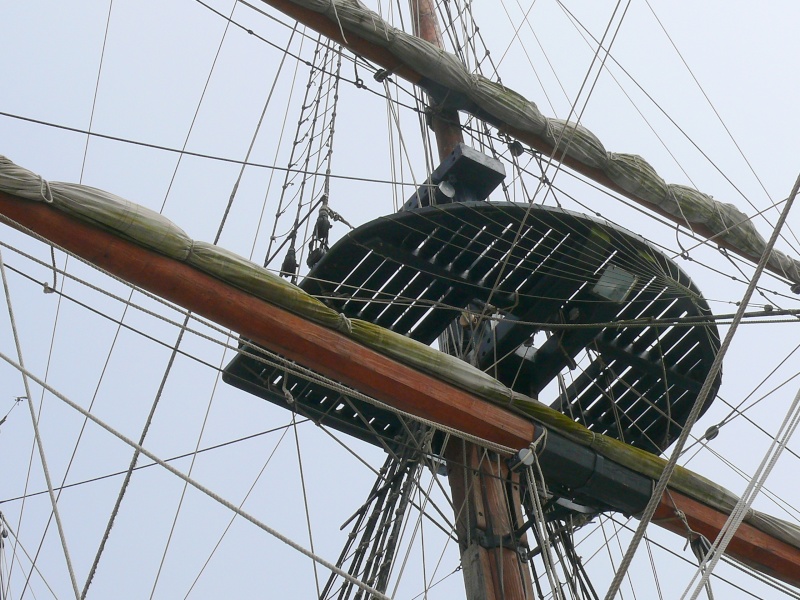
(447, 79)
(155, 232)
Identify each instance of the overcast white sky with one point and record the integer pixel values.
(157, 57)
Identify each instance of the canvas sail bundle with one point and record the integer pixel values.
(448, 81)
(155, 232)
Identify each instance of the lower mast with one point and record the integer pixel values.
(485, 492)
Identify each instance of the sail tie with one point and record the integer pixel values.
(344, 324)
(44, 190)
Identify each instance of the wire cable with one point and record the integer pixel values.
(201, 488)
(663, 480)
(37, 434)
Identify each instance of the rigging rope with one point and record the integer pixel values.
(725, 127)
(176, 346)
(241, 504)
(37, 434)
(577, 23)
(48, 197)
(276, 360)
(663, 480)
(534, 473)
(304, 492)
(198, 486)
(309, 142)
(739, 512)
(32, 559)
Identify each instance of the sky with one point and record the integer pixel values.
(707, 96)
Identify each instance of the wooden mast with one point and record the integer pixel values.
(336, 355)
(485, 493)
(328, 26)
(386, 379)
(444, 122)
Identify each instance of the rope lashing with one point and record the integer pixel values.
(286, 393)
(44, 190)
(344, 324)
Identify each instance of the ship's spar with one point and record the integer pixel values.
(484, 577)
(491, 570)
(425, 65)
(369, 371)
(333, 353)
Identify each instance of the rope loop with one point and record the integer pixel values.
(286, 393)
(538, 445)
(684, 253)
(44, 190)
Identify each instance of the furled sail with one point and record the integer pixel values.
(151, 230)
(443, 76)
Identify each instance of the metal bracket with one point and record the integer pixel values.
(490, 541)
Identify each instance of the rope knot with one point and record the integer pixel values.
(344, 324)
(539, 443)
